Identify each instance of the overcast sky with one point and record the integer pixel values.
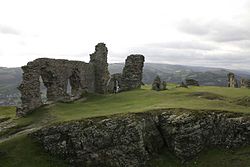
(214, 33)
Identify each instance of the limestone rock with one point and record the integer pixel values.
(107, 142)
(245, 83)
(183, 85)
(192, 82)
(132, 139)
(158, 85)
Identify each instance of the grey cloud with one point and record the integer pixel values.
(231, 60)
(242, 44)
(216, 30)
(8, 30)
(198, 45)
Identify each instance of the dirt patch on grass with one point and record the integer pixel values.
(243, 101)
(207, 95)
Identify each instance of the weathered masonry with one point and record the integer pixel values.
(131, 76)
(58, 75)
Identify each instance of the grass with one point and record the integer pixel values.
(19, 150)
(23, 152)
(146, 99)
(208, 158)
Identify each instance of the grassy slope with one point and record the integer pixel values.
(20, 149)
(146, 99)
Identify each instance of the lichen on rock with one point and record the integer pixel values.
(132, 139)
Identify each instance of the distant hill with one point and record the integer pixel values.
(10, 78)
(177, 73)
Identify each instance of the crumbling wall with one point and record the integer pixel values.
(83, 77)
(114, 84)
(232, 81)
(99, 60)
(57, 73)
(130, 78)
(132, 72)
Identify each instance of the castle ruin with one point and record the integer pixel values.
(57, 74)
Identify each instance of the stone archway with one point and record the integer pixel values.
(75, 82)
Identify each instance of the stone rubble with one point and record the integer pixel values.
(158, 85)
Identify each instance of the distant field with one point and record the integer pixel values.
(205, 97)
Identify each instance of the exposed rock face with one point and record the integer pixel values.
(56, 74)
(192, 82)
(99, 60)
(245, 83)
(232, 81)
(158, 85)
(132, 72)
(130, 140)
(110, 142)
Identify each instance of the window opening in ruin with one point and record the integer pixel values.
(69, 88)
(116, 86)
(43, 91)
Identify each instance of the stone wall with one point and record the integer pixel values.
(232, 81)
(57, 73)
(99, 60)
(132, 139)
(130, 78)
(132, 72)
(114, 84)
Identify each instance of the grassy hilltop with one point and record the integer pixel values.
(16, 149)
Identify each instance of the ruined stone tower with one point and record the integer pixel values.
(99, 61)
(132, 72)
(232, 81)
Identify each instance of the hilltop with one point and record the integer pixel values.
(11, 77)
(209, 98)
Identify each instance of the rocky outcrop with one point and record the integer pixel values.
(232, 81)
(192, 82)
(158, 85)
(182, 85)
(245, 83)
(132, 139)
